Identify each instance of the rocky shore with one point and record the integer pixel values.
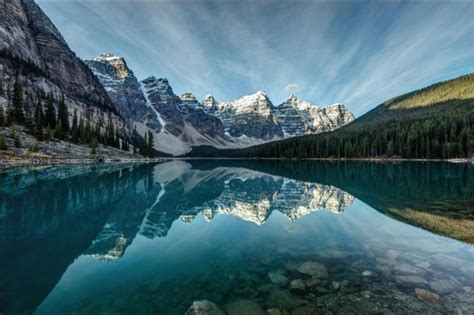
(395, 282)
(23, 150)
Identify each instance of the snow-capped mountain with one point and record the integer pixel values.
(179, 123)
(250, 116)
(124, 89)
(183, 126)
(297, 117)
(152, 105)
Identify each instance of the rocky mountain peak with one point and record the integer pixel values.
(108, 57)
(160, 86)
(188, 96)
(26, 32)
(293, 98)
(257, 101)
(209, 101)
(298, 103)
(111, 65)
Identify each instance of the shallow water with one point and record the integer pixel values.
(342, 238)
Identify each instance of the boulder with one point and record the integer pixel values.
(444, 285)
(297, 286)
(367, 273)
(305, 309)
(204, 307)
(427, 296)
(244, 306)
(277, 278)
(313, 269)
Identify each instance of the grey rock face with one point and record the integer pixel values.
(248, 120)
(124, 89)
(208, 125)
(255, 116)
(177, 112)
(165, 102)
(251, 116)
(26, 32)
(297, 117)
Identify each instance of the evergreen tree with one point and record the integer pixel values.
(63, 116)
(80, 131)
(87, 132)
(117, 138)
(3, 144)
(50, 114)
(29, 120)
(17, 106)
(110, 133)
(2, 117)
(143, 145)
(75, 128)
(150, 144)
(93, 145)
(38, 120)
(16, 139)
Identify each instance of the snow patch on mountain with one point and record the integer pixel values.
(145, 94)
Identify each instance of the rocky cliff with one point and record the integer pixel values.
(297, 117)
(105, 90)
(180, 123)
(124, 89)
(250, 116)
(47, 61)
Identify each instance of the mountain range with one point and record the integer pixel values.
(181, 122)
(108, 105)
(435, 122)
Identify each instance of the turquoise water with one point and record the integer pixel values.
(249, 236)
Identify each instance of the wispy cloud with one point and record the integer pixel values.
(357, 53)
(291, 87)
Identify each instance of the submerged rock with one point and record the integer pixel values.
(411, 280)
(204, 307)
(297, 286)
(244, 307)
(312, 282)
(314, 269)
(367, 273)
(305, 309)
(282, 299)
(406, 269)
(277, 278)
(427, 296)
(444, 285)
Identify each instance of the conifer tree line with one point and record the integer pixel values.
(45, 121)
(439, 135)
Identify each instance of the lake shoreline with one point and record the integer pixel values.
(63, 161)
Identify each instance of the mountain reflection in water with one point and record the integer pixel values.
(53, 218)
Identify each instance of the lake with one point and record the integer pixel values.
(283, 237)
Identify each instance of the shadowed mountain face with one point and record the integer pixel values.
(52, 215)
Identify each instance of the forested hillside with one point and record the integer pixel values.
(432, 123)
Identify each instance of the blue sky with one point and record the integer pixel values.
(355, 53)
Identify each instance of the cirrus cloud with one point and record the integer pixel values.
(291, 87)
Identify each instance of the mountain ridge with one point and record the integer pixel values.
(249, 120)
(442, 128)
